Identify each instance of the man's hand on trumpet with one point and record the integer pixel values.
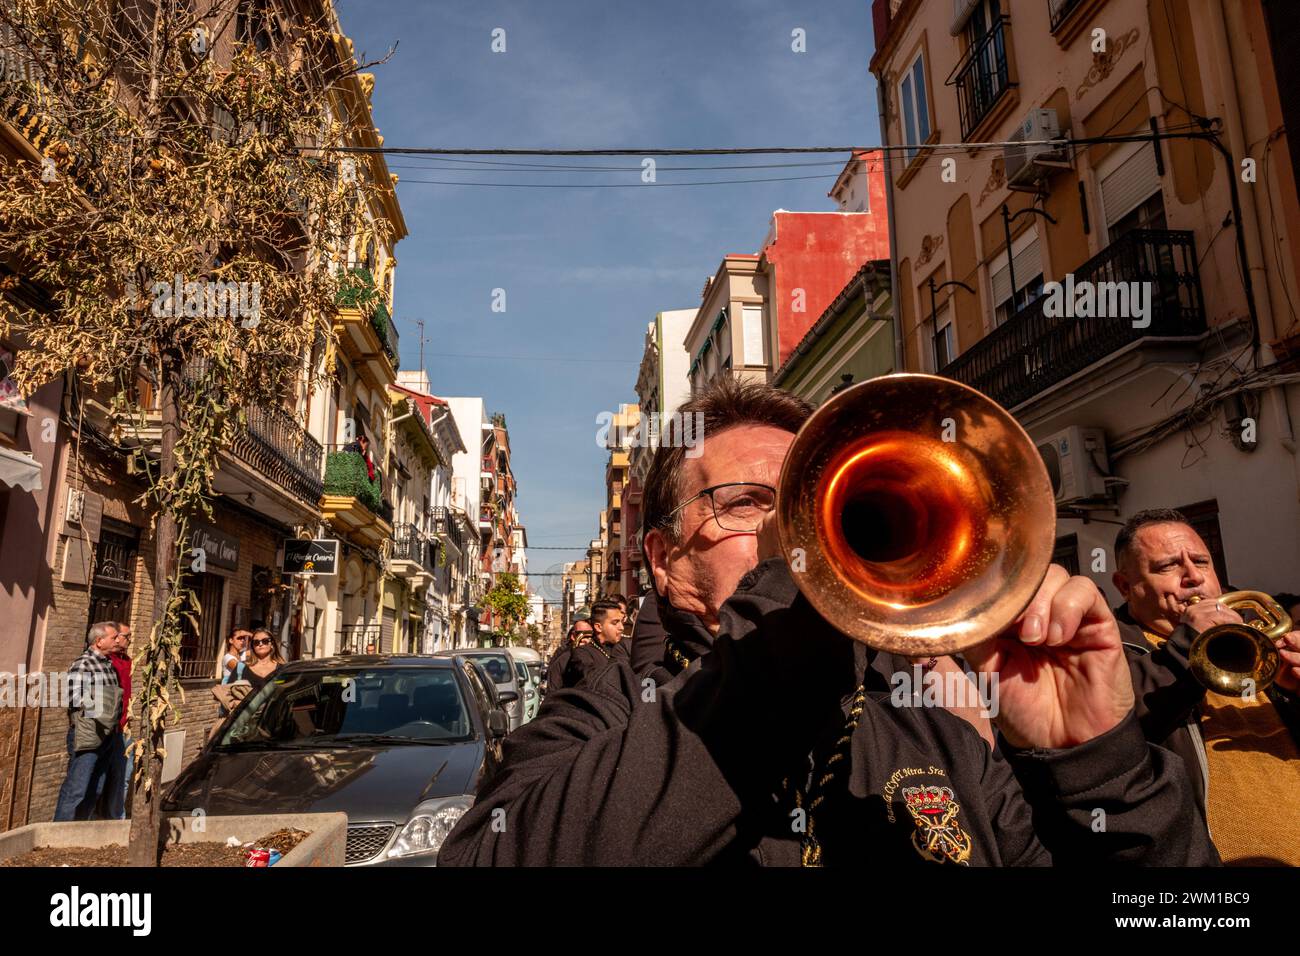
(1288, 677)
(1061, 672)
(1201, 612)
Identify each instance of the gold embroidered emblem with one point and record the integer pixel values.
(938, 836)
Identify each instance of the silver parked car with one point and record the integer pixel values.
(501, 668)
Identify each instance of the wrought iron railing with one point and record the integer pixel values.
(278, 447)
(359, 639)
(981, 77)
(409, 544)
(1033, 351)
(1060, 9)
(272, 442)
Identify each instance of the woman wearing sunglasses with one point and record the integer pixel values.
(232, 660)
(263, 660)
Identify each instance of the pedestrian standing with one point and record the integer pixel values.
(580, 633)
(94, 699)
(116, 780)
(263, 661)
(234, 656)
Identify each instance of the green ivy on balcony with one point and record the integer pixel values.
(357, 291)
(346, 474)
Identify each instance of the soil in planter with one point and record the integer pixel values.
(180, 854)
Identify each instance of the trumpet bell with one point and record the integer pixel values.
(916, 514)
(1237, 659)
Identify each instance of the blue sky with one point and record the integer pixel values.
(585, 269)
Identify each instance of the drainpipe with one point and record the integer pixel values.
(1251, 217)
(895, 302)
(1235, 128)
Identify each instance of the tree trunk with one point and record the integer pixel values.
(146, 822)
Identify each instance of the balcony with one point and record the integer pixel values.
(352, 502)
(981, 77)
(413, 556)
(365, 328)
(359, 639)
(276, 446)
(1032, 352)
(23, 90)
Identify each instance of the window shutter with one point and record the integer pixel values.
(1129, 185)
(1029, 264)
(753, 333)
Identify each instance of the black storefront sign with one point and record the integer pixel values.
(301, 556)
(220, 550)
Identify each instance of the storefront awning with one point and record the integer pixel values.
(19, 471)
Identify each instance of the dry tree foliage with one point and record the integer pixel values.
(182, 144)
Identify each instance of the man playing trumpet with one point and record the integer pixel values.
(780, 746)
(1242, 750)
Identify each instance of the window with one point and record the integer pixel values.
(255, 24)
(945, 346)
(913, 106)
(328, 706)
(1029, 277)
(752, 334)
(115, 564)
(1130, 191)
(12, 403)
(982, 77)
(200, 644)
(1066, 553)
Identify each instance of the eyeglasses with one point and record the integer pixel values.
(261, 642)
(737, 505)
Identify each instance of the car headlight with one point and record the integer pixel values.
(429, 825)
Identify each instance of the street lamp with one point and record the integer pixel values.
(1007, 220)
(934, 313)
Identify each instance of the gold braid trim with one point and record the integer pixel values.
(681, 659)
(811, 850)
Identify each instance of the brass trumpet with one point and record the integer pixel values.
(917, 515)
(1230, 659)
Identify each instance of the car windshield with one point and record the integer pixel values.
(497, 666)
(521, 670)
(399, 705)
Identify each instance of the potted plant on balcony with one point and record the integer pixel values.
(146, 228)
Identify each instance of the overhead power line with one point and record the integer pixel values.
(636, 185)
(488, 166)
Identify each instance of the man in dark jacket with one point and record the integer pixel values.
(783, 744)
(579, 632)
(1243, 752)
(607, 644)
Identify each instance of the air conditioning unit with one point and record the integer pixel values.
(1030, 164)
(1076, 463)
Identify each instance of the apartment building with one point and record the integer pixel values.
(78, 547)
(1011, 261)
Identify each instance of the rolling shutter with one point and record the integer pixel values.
(1128, 185)
(1029, 265)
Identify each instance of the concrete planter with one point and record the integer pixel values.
(324, 847)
